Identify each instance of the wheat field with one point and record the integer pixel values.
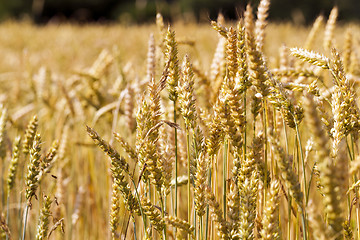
(219, 130)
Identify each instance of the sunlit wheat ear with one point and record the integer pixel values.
(101, 64)
(256, 64)
(31, 180)
(313, 32)
(311, 57)
(242, 80)
(162, 30)
(180, 224)
(200, 184)
(338, 130)
(290, 177)
(186, 95)
(270, 221)
(334, 177)
(222, 226)
(4, 228)
(48, 161)
(348, 49)
(348, 113)
(354, 67)
(248, 188)
(348, 233)
(284, 61)
(129, 105)
(232, 53)
(78, 207)
(313, 120)
(233, 204)
(126, 146)
(115, 209)
(249, 20)
(130, 202)
(255, 105)
(44, 221)
(63, 145)
(118, 167)
(151, 59)
(291, 113)
(329, 29)
(30, 134)
(3, 120)
(166, 167)
(261, 23)
(216, 134)
(60, 196)
(153, 214)
(220, 21)
(232, 127)
(219, 28)
(13, 164)
(171, 56)
(116, 159)
(218, 62)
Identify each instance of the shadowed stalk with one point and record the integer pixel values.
(135, 229)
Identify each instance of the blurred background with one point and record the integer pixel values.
(142, 11)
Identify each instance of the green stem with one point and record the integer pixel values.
(207, 207)
(244, 145)
(201, 228)
(163, 209)
(289, 216)
(189, 182)
(195, 219)
(25, 220)
(289, 200)
(2, 184)
(141, 211)
(134, 229)
(265, 120)
(355, 180)
(303, 222)
(226, 146)
(7, 211)
(196, 156)
(176, 164)
(302, 161)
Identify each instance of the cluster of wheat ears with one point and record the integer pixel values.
(241, 151)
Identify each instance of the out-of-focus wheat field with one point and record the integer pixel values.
(257, 132)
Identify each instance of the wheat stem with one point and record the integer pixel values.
(26, 212)
(302, 161)
(226, 147)
(176, 166)
(189, 181)
(141, 210)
